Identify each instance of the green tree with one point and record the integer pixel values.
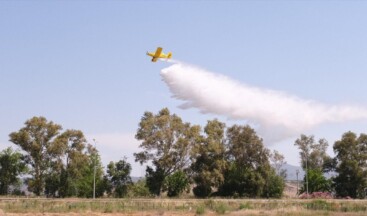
(139, 189)
(176, 183)
(119, 176)
(36, 139)
(313, 157)
(208, 159)
(351, 156)
(85, 183)
(248, 174)
(313, 154)
(242, 181)
(155, 179)
(166, 142)
(274, 185)
(12, 166)
(316, 182)
(71, 156)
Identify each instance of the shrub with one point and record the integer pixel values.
(176, 183)
(202, 191)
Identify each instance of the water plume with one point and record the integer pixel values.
(277, 115)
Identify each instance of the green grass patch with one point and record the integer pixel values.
(245, 205)
(200, 210)
(221, 208)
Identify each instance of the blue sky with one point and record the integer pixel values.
(82, 64)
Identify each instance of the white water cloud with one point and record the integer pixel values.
(278, 115)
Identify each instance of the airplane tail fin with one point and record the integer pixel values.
(169, 55)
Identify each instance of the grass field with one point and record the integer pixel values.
(135, 207)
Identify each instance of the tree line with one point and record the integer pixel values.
(215, 160)
(349, 166)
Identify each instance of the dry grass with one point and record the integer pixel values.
(179, 207)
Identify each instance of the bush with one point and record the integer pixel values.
(176, 183)
(139, 189)
(202, 191)
(275, 186)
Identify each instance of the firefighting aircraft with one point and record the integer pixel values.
(158, 54)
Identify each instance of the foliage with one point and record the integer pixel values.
(316, 182)
(11, 166)
(202, 190)
(248, 171)
(84, 185)
(167, 142)
(176, 183)
(119, 176)
(37, 140)
(139, 189)
(62, 164)
(73, 157)
(208, 159)
(351, 156)
(275, 185)
(155, 179)
(312, 154)
(242, 182)
(329, 165)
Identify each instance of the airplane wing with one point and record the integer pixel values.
(158, 52)
(154, 59)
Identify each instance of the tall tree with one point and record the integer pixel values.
(71, 153)
(313, 154)
(12, 166)
(167, 142)
(246, 148)
(119, 176)
(313, 158)
(208, 158)
(249, 171)
(36, 139)
(93, 169)
(351, 156)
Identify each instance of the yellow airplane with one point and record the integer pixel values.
(158, 54)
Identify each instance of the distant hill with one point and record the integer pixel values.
(291, 172)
